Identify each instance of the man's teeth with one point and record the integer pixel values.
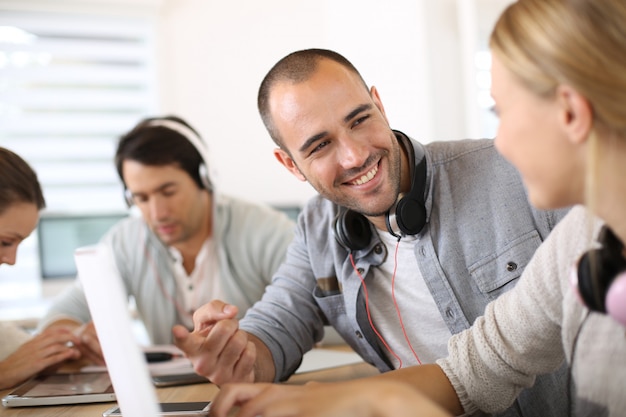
(367, 177)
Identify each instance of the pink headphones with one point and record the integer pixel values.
(601, 277)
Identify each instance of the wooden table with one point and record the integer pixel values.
(197, 392)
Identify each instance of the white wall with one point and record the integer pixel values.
(214, 55)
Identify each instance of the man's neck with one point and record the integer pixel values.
(189, 252)
(190, 248)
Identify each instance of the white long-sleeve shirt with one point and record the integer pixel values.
(11, 337)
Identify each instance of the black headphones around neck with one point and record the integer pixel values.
(599, 271)
(353, 230)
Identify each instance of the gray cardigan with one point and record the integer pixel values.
(532, 329)
(251, 241)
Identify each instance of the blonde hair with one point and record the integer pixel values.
(580, 43)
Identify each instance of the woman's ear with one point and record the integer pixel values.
(576, 114)
(286, 160)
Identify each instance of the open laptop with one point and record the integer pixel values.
(125, 359)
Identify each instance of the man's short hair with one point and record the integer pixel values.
(296, 67)
(152, 144)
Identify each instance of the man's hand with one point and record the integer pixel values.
(357, 398)
(218, 349)
(89, 345)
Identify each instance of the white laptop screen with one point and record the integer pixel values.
(108, 306)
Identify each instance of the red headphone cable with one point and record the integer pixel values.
(369, 317)
(395, 303)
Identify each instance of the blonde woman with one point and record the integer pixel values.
(559, 84)
(23, 356)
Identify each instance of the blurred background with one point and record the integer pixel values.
(76, 74)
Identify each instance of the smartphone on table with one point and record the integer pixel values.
(179, 409)
(171, 380)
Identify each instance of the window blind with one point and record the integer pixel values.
(70, 85)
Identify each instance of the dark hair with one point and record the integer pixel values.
(152, 144)
(18, 182)
(296, 67)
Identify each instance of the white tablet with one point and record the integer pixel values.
(62, 388)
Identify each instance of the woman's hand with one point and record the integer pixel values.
(51, 347)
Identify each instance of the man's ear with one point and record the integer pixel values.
(576, 114)
(286, 160)
(377, 101)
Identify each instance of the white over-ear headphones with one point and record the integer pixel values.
(195, 140)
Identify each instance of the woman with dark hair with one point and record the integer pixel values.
(22, 355)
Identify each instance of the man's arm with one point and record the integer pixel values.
(71, 304)
(418, 390)
(431, 381)
(264, 370)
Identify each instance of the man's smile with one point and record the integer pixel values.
(367, 177)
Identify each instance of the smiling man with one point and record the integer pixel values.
(404, 246)
(191, 244)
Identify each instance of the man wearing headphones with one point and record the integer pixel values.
(191, 244)
(404, 246)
